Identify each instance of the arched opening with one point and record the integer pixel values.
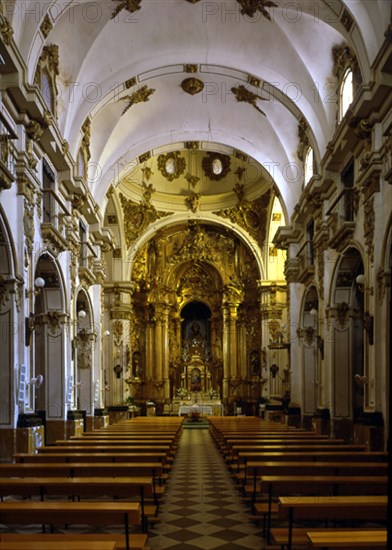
(346, 93)
(48, 347)
(349, 344)
(7, 305)
(310, 339)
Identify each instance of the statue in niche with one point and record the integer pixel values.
(255, 363)
(137, 369)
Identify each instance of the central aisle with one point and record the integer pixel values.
(201, 507)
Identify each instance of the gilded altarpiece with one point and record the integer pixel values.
(173, 355)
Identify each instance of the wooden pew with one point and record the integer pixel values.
(58, 545)
(115, 487)
(331, 508)
(65, 512)
(355, 539)
(100, 448)
(335, 468)
(138, 541)
(296, 485)
(159, 457)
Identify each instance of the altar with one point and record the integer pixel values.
(202, 409)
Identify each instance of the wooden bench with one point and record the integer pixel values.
(115, 487)
(159, 457)
(59, 545)
(328, 508)
(338, 468)
(138, 541)
(355, 539)
(65, 512)
(97, 448)
(296, 485)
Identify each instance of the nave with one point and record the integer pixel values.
(202, 507)
(170, 483)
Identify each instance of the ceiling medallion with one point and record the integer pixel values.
(140, 96)
(216, 165)
(242, 94)
(192, 85)
(129, 5)
(171, 165)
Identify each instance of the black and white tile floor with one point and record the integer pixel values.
(201, 507)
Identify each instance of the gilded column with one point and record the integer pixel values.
(226, 352)
(165, 351)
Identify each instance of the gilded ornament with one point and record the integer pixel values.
(34, 130)
(192, 200)
(251, 7)
(192, 180)
(86, 130)
(6, 30)
(144, 157)
(137, 217)
(251, 216)
(209, 164)
(191, 145)
(242, 94)
(46, 26)
(142, 95)
(130, 83)
(191, 68)
(129, 5)
(192, 86)
(177, 165)
(254, 81)
(368, 227)
(147, 172)
(148, 190)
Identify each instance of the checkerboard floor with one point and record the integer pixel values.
(201, 507)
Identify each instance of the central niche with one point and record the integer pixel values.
(195, 346)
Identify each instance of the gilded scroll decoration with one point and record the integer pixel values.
(6, 29)
(242, 94)
(137, 217)
(193, 201)
(140, 96)
(46, 26)
(129, 5)
(251, 216)
(251, 7)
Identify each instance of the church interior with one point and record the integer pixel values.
(195, 207)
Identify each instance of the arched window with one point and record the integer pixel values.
(308, 165)
(346, 93)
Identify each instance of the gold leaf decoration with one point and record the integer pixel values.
(140, 96)
(208, 165)
(251, 7)
(6, 30)
(46, 26)
(242, 94)
(177, 165)
(129, 5)
(192, 180)
(251, 216)
(192, 85)
(137, 217)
